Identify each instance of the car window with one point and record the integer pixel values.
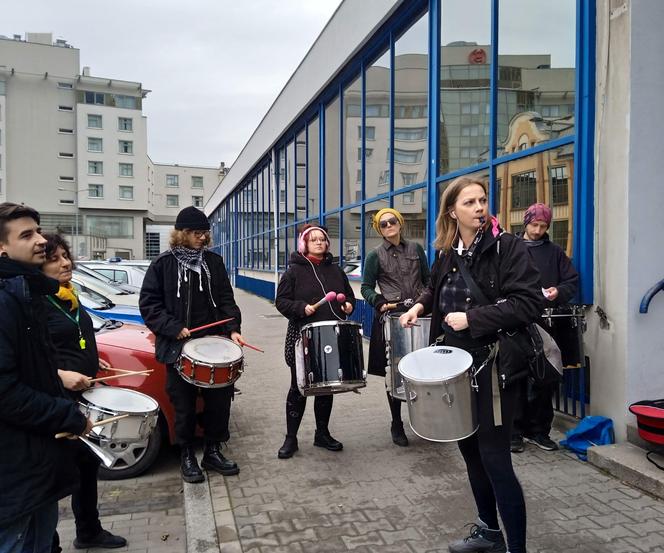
(107, 289)
(106, 272)
(90, 298)
(121, 276)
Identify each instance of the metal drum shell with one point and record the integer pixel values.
(441, 410)
(400, 341)
(206, 374)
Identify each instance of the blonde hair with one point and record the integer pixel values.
(446, 226)
(179, 238)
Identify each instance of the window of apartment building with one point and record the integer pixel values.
(96, 191)
(408, 179)
(407, 156)
(66, 179)
(66, 202)
(126, 146)
(559, 233)
(125, 124)
(524, 190)
(172, 180)
(126, 169)
(66, 155)
(95, 167)
(370, 132)
(63, 130)
(408, 198)
(110, 226)
(197, 201)
(122, 101)
(96, 98)
(418, 133)
(68, 86)
(197, 182)
(384, 178)
(368, 152)
(126, 192)
(94, 121)
(65, 108)
(172, 200)
(152, 246)
(95, 144)
(358, 176)
(559, 189)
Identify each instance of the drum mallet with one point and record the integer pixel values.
(341, 298)
(210, 325)
(330, 296)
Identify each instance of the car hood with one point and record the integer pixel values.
(128, 336)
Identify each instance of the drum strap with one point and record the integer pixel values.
(495, 388)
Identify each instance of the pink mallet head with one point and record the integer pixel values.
(330, 296)
(341, 298)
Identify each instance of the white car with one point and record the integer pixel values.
(117, 295)
(120, 273)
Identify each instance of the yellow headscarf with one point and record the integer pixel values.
(67, 293)
(376, 218)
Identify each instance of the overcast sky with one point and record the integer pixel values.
(214, 66)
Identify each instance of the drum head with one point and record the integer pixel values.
(435, 363)
(120, 400)
(212, 350)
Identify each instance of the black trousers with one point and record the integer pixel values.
(216, 409)
(489, 462)
(296, 403)
(84, 500)
(535, 409)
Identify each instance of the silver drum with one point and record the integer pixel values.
(441, 401)
(400, 341)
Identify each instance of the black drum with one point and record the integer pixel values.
(566, 324)
(329, 358)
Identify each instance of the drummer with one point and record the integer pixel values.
(400, 268)
(186, 287)
(559, 283)
(310, 276)
(501, 268)
(73, 336)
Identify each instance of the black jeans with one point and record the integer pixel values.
(489, 462)
(216, 409)
(296, 404)
(535, 409)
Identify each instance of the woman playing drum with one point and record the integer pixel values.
(501, 267)
(400, 268)
(310, 276)
(73, 336)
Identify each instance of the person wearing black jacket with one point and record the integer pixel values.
(310, 276)
(36, 470)
(501, 267)
(186, 287)
(559, 281)
(77, 359)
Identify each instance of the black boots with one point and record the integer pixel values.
(191, 472)
(289, 448)
(214, 460)
(322, 438)
(398, 435)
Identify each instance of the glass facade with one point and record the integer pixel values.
(445, 88)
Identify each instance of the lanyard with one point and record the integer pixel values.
(81, 340)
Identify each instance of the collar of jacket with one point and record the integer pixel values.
(25, 281)
(545, 237)
(298, 259)
(387, 244)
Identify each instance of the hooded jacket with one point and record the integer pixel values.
(35, 468)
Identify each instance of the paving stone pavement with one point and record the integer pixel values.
(376, 497)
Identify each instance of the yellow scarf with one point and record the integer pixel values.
(67, 293)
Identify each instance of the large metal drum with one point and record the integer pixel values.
(441, 400)
(400, 341)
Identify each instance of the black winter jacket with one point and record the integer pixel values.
(507, 277)
(35, 468)
(166, 314)
(555, 269)
(299, 287)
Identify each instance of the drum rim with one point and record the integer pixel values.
(330, 323)
(214, 338)
(123, 390)
(396, 316)
(436, 380)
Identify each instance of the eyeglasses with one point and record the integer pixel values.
(321, 240)
(392, 221)
(200, 233)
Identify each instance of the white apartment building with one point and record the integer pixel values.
(74, 146)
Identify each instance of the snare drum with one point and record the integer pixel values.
(400, 341)
(210, 362)
(441, 401)
(104, 402)
(330, 358)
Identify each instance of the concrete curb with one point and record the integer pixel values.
(199, 519)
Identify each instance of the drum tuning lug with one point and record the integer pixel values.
(311, 378)
(340, 374)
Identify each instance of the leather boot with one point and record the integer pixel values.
(191, 472)
(289, 448)
(324, 439)
(398, 435)
(214, 460)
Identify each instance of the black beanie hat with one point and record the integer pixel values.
(192, 219)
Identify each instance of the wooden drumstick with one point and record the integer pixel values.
(125, 371)
(128, 373)
(98, 423)
(210, 325)
(252, 347)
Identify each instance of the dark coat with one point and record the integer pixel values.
(166, 314)
(508, 275)
(35, 468)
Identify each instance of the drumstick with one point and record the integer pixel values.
(330, 296)
(98, 423)
(210, 325)
(128, 373)
(251, 347)
(125, 371)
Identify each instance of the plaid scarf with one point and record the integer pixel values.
(190, 259)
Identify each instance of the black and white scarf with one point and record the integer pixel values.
(190, 259)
